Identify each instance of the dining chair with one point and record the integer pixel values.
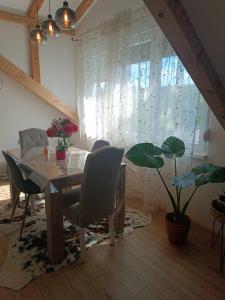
(99, 144)
(25, 186)
(32, 137)
(96, 197)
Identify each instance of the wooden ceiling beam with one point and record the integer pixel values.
(82, 8)
(24, 20)
(17, 18)
(34, 47)
(35, 87)
(174, 22)
(32, 11)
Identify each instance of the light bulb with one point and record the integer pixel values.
(38, 36)
(49, 27)
(65, 17)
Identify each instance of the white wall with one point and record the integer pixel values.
(57, 65)
(105, 9)
(19, 108)
(199, 208)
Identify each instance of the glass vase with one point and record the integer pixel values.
(60, 154)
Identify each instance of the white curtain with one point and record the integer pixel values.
(131, 88)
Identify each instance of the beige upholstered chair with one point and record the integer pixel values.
(32, 137)
(99, 144)
(96, 197)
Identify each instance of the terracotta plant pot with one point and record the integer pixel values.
(177, 232)
(60, 154)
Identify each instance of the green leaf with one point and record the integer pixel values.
(204, 168)
(209, 173)
(202, 179)
(217, 175)
(185, 180)
(173, 146)
(145, 155)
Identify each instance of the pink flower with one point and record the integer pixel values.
(51, 132)
(62, 128)
(75, 128)
(67, 130)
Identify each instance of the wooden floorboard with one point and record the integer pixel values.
(141, 266)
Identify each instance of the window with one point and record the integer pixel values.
(134, 88)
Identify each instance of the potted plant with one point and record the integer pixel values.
(151, 156)
(222, 197)
(63, 130)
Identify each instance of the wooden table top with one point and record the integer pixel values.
(47, 166)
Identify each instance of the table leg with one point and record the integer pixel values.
(120, 201)
(54, 219)
(13, 191)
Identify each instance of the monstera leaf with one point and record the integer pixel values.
(209, 173)
(204, 168)
(173, 146)
(217, 175)
(145, 155)
(184, 181)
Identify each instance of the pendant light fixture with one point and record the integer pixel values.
(49, 26)
(65, 17)
(37, 35)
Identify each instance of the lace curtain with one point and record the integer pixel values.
(132, 88)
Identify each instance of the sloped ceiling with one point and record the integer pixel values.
(208, 19)
(21, 6)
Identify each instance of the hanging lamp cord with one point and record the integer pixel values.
(37, 11)
(49, 7)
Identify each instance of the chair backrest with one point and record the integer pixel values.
(99, 184)
(15, 173)
(99, 144)
(32, 137)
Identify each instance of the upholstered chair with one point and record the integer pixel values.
(32, 137)
(96, 197)
(25, 186)
(99, 144)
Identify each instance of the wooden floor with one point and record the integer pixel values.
(141, 266)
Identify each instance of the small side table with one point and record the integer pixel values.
(218, 215)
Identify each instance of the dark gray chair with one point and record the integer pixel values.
(96, 197)
(99, 144)
(25, 186)
(32, 137)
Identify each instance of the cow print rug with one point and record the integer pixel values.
(28, 259)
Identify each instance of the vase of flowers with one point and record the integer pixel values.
(63, 130)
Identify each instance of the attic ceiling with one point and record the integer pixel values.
(208, 19)
(22, 6)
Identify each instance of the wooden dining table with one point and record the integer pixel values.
(53, 176)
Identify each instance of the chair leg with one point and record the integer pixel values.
(213, 230)
(27, 197)
(15, 205)
(111, 229)
(32, 205)
(82, 244)
(221, 250)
